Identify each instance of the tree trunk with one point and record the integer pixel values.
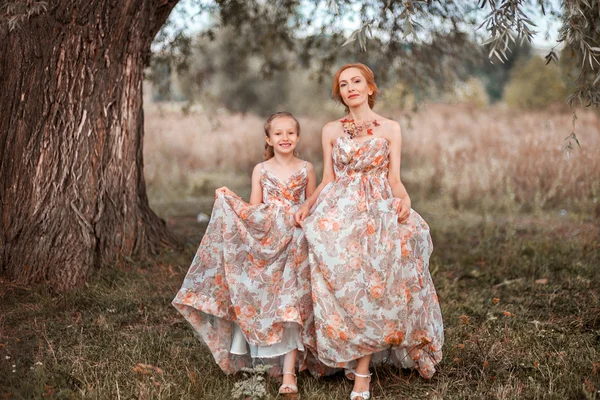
(72, 190)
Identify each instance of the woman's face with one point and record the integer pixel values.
(353, 87)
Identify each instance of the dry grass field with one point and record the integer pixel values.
(516, 230)
(492, 160)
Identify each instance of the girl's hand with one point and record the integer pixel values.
(301, 213)
(402, 208)
(224, 190)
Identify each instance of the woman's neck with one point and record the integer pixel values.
(361, 113)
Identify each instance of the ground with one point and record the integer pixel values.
(520, 299)
(515, 226)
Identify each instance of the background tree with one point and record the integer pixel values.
(72, 191)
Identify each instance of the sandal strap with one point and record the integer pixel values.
(362, 375)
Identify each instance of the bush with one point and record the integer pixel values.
(471, 92)
(534, 85)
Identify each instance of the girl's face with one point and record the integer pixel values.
(353, 87)
(283, 135)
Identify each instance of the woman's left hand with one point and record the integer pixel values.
(402, 208)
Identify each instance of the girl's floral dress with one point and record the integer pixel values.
(371, 287)
(247, 293)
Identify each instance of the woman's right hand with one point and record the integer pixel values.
(302, 213)
(224, 190)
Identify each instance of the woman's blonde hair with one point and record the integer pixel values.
(367, 73)
(269, 150)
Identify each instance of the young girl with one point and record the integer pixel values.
(247, 292)
(368, 250)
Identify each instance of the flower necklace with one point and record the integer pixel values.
(354, 130)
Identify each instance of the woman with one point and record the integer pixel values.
(374, 300)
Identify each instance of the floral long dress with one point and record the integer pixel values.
(250, 278)
(371, 286)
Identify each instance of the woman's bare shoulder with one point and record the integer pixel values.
(389, 127)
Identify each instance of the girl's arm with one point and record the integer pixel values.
(328, 134)
(256, 195)
(398, 189)
(311, 183)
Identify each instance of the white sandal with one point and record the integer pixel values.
(349, 372)
(293, 388)
(363, 395)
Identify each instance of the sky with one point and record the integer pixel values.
(545, 38)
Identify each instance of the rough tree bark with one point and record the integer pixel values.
(72, 190)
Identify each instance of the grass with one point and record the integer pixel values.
(516, 234)
(489, 160)
(88, 343)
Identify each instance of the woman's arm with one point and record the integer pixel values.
(327, 136)
(398, 189)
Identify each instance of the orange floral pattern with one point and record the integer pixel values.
(251, 269)
(372, 290)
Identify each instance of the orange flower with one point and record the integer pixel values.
(508, 314)
(405, 251)
(359, 323)
(249, 311)
(370, 229)
(189, 297)
(272, 337)
(300, 258)
(287, 194)
(335, 320)
(377, 291)
(267, 241)
(460, 346)
(485, 364)
(464, 319)
(495, 300)
(351, 309)
(330, 331)
(324, 224)
(395, 339)
(291, 313)
(354, 263)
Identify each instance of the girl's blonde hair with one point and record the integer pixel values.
(367, 73)
(269, 150)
